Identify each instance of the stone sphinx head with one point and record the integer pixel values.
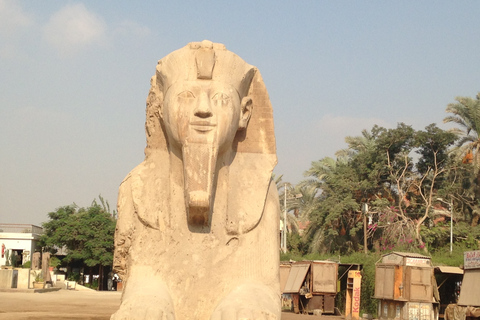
(201, 97)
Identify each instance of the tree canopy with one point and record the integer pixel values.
(414, 182)
(86, 233)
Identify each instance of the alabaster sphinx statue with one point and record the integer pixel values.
(197, 230)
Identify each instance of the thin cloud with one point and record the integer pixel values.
(13, 21)
(13, 18)
(74, 28)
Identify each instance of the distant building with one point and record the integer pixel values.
(19, 240)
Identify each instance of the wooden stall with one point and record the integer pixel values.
(312, 285)
(405, 287)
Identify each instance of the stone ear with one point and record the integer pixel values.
(246, 112)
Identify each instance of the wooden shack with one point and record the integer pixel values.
(405, 287)
(311, 284)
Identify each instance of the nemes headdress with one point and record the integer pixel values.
(255, 147)
(205, 61)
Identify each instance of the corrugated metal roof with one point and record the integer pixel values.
(448, 269)
(324, 261)
(407, 254)
(284, 273)
(296, 278)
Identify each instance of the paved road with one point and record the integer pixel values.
(63, 304)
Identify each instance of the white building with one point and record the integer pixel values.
(20, 240)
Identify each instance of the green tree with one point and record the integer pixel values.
(335, 221)
(379, 169)
(86, 233)
(466, 114)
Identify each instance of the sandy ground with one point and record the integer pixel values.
(69, 304)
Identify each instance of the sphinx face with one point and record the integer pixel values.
(201, 118)
(201, 112)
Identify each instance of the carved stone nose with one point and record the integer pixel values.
(203, 109)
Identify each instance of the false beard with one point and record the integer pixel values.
(199, 161)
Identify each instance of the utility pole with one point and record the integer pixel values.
(284, 239)
(365, 212)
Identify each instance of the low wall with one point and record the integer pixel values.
(6, 278)
(23, 278)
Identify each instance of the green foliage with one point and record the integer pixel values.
(294, 243)
(87, 233)
(55, 262)
(74, 276)
(378, 169)
(39, 277)
(27, 265)
(433, 147)
(290, 256)
(7, 258)
(13, 260)
(93, 285)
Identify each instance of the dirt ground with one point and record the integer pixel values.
(69, 304)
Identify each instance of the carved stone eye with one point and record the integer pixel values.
(221, 97)
(186, 95)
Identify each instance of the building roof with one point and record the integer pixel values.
(407, 254)
(20, 231)
(449, 269)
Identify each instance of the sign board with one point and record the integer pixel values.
(471, 259)
(354, 274)
(352, 305)
(417, 262)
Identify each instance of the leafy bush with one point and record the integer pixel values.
(39, 277)
(55, 262)
(93, 285)
(74, 276)
(27, 265)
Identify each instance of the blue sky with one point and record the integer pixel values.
(74, 77)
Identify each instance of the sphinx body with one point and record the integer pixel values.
(197, 233)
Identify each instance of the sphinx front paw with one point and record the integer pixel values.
(242, 313)
(249, 302)
(144, 308)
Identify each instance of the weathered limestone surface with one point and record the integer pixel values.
(197, 233)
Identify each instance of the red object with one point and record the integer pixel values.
(3, 250)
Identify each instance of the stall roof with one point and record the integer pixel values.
(296, 277)
(448, 269)
(470, 291)
(407, 254)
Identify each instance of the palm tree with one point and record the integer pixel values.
(323, 169)
(466, 114)
(364, 143)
